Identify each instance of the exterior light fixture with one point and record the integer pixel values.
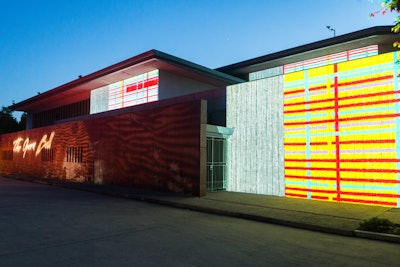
(331, 29)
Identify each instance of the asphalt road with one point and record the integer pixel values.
(50, 226)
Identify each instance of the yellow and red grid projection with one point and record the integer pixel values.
(342, 132)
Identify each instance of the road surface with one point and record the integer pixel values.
(50, 226)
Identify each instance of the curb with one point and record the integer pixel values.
(377, 236)
(252, 217)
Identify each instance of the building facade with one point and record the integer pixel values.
(319, 121)
(141, 122)
(322, 128)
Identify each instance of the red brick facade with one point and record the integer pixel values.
(161, 148)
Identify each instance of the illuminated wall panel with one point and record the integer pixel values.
(99, 100)
(134, 91)
(342, 132)
(255, 150)
(361, 52)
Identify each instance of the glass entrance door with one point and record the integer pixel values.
(216, 163)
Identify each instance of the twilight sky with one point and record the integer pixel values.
(44, 44)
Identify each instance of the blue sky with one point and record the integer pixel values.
(44, 44)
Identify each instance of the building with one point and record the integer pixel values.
(141, 122)
(319, 121)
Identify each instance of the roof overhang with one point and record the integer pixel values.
(79, 89)
(381, 36)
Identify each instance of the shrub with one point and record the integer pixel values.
(380, 225)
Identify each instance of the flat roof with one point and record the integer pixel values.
(79, 89)
(380, 35)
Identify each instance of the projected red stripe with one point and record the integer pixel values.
(310, 160)
(142, 84)
(320, 197)
(303, 144)
(369, 95)
(310, 177)
(307, 110)
(370, 180)
(294, 92)
(295, 195)
(343, 160)
(350, 200)
(381, 78)
(310, 190)
(344, 98)
(344, 106)
(342, 192)
(370, 103)
(386, 203)
(370, 194)
(309, 102)
(308, 122)
(356, 180)
(316, 88)
(336, 81)
(389, 141)
(343, 169)
(374, 79)
(380, 116)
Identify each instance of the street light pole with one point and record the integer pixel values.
(331, 29)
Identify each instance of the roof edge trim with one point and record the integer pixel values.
(151, 54)
(378, 30)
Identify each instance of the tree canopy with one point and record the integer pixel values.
(8, 123)
(391, 6)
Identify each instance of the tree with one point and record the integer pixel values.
(22, 122)
(8, 123)
(390, 5)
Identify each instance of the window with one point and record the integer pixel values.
(75, 154)
(48, 155)
(7, 155)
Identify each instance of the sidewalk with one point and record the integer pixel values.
(329, 217)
